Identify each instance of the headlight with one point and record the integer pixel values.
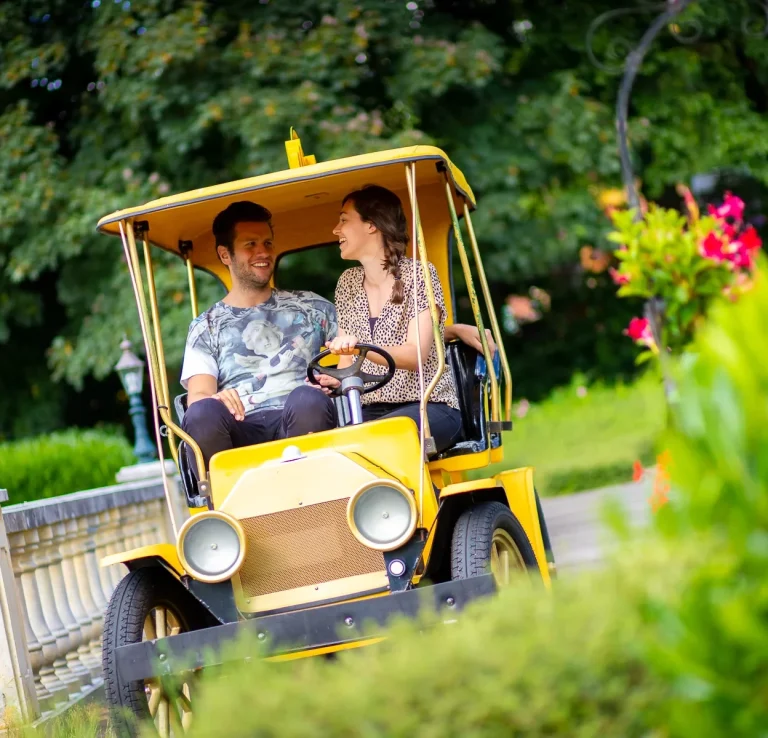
(382, 515)
(211, 546)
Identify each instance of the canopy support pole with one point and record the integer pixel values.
(495, 414)
(496, 331)
(420, 254)
(132, 257)
(164, 394)
(185, 247)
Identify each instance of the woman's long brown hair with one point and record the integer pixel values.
(382, 208)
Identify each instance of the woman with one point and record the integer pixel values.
(374, 304)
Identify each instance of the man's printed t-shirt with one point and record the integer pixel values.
(263, 351)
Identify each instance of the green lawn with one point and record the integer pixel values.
(583, 442)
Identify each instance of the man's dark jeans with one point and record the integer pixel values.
(215, 429)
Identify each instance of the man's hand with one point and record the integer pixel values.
(471, 336)
(327, 384)
(342, 345)
(232, 400)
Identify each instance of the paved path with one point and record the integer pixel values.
(575, 525)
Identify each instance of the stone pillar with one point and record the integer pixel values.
(56, 534)
(17, 687)
(39, 549)
(104, 538)
(69, 551)
(94, 607)
(116, 546)
(91, 566)
(51, 689)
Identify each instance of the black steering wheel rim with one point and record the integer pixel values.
(355, 370)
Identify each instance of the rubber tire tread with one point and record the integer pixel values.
(136, 594)
(473, 534)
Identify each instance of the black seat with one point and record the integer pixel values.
(188, 476)
(472, 382)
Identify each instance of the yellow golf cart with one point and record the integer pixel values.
(300, 541)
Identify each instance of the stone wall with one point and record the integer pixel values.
(53, 592)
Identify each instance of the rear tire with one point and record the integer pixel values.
(489, 537)
(148, 603)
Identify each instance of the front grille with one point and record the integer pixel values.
(302, 547)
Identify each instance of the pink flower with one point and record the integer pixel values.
(618, 277)
(713, 247)
(732, 207)
(741, 258)
(639, 330)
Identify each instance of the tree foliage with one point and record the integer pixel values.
(108, 104)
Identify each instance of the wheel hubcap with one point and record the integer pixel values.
(506, 558)
(171, 711)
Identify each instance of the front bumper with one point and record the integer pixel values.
(303, 630)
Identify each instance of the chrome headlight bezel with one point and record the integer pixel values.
(200, 519)
(401, 539)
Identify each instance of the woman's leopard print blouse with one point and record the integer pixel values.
(391, 329)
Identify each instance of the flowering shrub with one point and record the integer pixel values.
(685, 261)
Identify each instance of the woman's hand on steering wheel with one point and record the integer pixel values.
(334, 376)
(342, 345)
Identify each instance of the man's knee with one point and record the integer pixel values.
(308, 399)
(309, 410)
(205, 415)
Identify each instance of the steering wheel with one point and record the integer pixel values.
(355, 370)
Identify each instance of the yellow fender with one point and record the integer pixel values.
(164, 553)
(521, 498)
(518, 485)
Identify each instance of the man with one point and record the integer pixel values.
(246, 357)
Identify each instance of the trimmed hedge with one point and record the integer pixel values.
(527, 663)
(62, 462)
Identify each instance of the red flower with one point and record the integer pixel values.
(732, 207)
(618, 277)
(713, 247)
(743, 250)
(751, 240)
(639, 330)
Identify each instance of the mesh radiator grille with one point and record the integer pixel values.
(303, 547)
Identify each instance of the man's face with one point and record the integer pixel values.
(253, 261)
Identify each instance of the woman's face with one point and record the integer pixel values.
(356, 237)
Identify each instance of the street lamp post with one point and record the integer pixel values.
(130, 369)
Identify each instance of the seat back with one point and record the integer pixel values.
(186, 468)
(180, 404)
(471, 381)
(462, 360)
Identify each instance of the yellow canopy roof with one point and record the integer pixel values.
(305, 202)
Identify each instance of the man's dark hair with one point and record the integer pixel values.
(238, 212)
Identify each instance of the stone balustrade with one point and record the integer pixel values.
(53, 593)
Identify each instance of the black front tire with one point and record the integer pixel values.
(473, 540)
(141, 594)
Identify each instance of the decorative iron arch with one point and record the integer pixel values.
(623, 58)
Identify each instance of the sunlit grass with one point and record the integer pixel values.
(80, 721)
(586, 437)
